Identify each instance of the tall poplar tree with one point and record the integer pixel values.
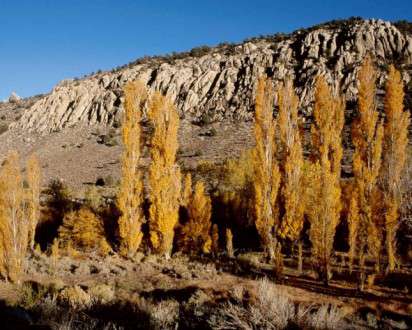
(324, 214)
(395, 143)
(367, 136)
(292, 188)
(267, 176)
(164, 174)
(130, 197)
(33, 196)
(14, 225)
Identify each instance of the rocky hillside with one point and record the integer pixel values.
(210, 84)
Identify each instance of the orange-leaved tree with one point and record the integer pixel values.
(267, 175)
(395, 143)
(84, 230)
(130, 197)
(164, 174)
(14, 225)
(291, 164)
(33, 175)
(367, 135)
(196, 231)
(324, 213)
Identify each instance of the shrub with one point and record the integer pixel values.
(75, 297)
(271, 309)
(3, 128)
(326, 317)
(93, 198)
(102, 293)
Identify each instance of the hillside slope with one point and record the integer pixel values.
(218, 83)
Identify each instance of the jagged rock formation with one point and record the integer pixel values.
(220, 84)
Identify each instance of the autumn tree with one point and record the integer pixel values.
(395, 142)
(14, 225)
(164, 174)
(195, 236)
(267, 175)
(291, 163)
(324, 212)
(33, 196)
(367, 135)
(130, 197)
(83, 230)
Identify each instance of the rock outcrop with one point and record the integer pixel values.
(13, 98)
(220, 84)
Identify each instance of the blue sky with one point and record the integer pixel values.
(45, 41)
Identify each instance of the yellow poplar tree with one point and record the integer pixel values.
(164, 174)
(367, 135)
(14, 225)
(130, 197)
(196, 232)
(395, 143)
(33, 196)
(267, 176)
(292, 189)
(82, 229)
(324, 214)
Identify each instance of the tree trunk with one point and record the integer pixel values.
(300, 257)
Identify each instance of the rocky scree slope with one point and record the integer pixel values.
(219, 83)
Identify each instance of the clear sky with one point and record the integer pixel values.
(45, 41)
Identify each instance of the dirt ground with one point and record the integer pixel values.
(198, 286)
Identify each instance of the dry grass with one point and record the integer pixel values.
(325, 317)
(162, 315)
(75, 297)
(273, 309)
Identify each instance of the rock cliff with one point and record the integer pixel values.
(219, 82)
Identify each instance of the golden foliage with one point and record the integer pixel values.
(187, 190)
(33, 196)
(130, 196)
(353, 223)
(196, 231)
(292, 188)
(325, 191)
(83, 230)
(14, 226)
(367, 135)
(395, 144)
(164, 174)
(267, 176)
